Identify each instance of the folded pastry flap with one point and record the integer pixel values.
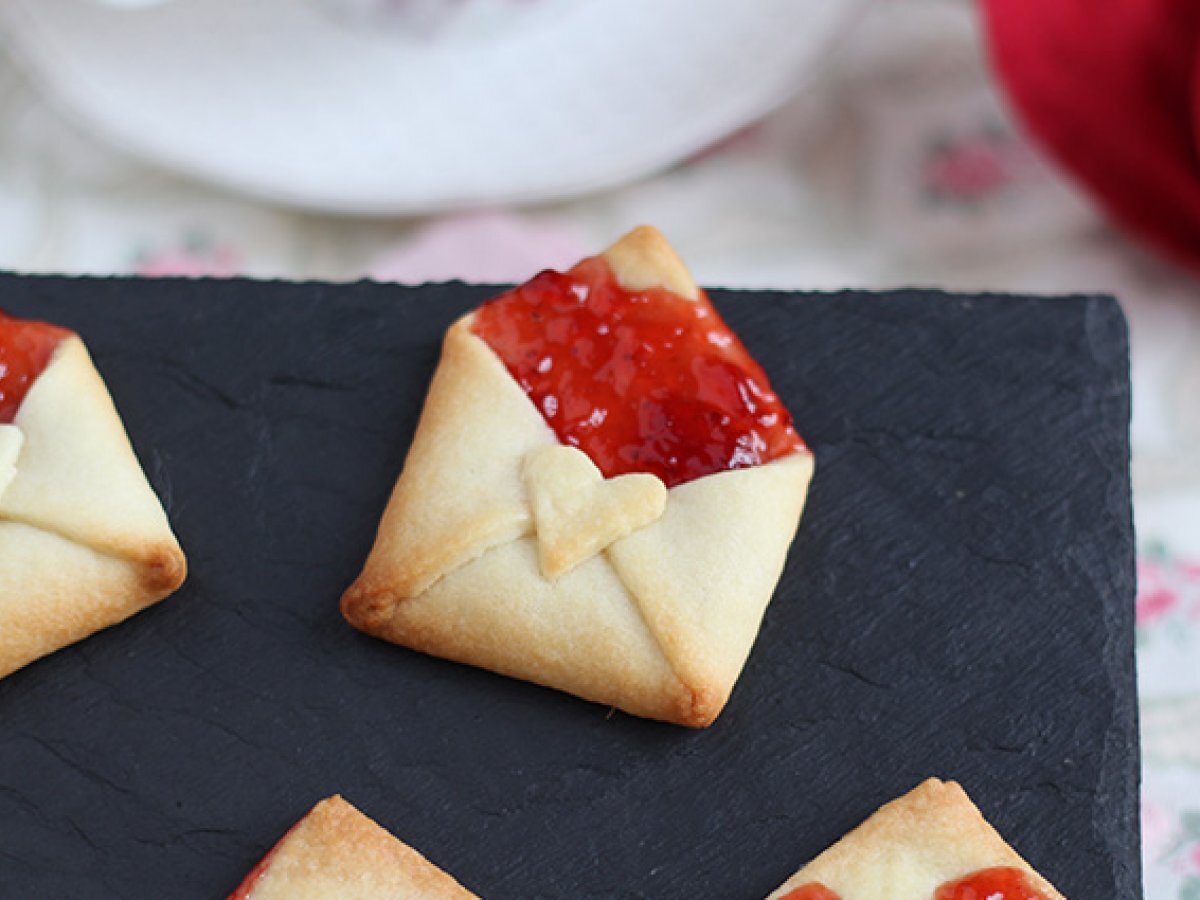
(77, 475)
(644, 259)
(461, 490)
(703, 574)
(55, 591)
(911, 846)
(337, 851)
(581, 633)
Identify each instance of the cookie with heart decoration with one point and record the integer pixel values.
(600, 494)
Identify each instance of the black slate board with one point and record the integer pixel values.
(958, 603)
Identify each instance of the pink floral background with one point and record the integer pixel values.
(900, 166)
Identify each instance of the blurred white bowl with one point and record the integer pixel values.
(383, 111)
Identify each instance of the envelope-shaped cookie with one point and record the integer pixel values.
(931, 844)
(600, 494)
(337, 853)
(84, 542)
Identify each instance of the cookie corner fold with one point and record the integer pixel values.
(701, 700)
(78, 475)
(164, 568)
(85, 539)
(55, 592)
(460, 491)
(368, 604)
(644, 258)
(335, 850)
(909, 847)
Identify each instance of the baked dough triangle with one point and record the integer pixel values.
(84, 542)
(658, 623)
(337, 853)
(910, 847)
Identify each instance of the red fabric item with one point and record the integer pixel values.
(1112, 89)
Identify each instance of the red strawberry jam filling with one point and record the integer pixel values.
(999, 883)
(813, 891)
(640, 381)
(25, 350)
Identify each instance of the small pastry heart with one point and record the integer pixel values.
(578, 513)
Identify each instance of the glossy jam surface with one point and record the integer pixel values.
(640, 381)
(812, 891)
(25, 350)
(999, 883)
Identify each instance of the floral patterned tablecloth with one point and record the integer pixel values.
(900, 166)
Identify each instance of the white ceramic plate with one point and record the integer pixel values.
(411, 106)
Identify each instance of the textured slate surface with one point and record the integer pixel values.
(958, 603)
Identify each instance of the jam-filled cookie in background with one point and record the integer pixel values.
(931, 844)
(337, 853)
(600, 494)
(84, 541)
